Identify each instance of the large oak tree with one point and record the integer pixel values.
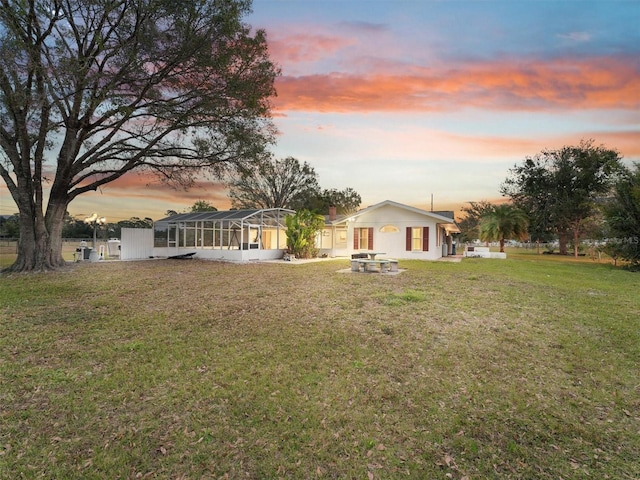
(93, 89)
(345, 201)
(276, 183)
(287, 183)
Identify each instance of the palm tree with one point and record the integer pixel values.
(503, 222)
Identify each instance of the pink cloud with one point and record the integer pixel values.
(147, 186)
(142, 195)
(305, 47)
(503, 85)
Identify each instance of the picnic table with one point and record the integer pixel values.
(368, 265)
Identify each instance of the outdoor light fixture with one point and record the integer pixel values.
(95, 221)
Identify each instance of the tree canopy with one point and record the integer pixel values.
(203, 206)
(287, 183)
(346, 201)
(10, 226)
(622, 214)
(503, 222)
(91, 90)
(559, 189)
(470, 222)
(276, 183)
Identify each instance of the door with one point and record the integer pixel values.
(172, 238)
(253, 232)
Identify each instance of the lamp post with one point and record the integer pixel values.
(95, 221)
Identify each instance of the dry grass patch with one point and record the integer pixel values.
(193, 369)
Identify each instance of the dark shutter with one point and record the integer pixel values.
(425, 239)
(356, 239)
(408, 244)
(370, 245)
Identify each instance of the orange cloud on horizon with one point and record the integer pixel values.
(627, 143)
(137, 194)
(503, 85)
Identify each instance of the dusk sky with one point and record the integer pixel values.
(402, 100)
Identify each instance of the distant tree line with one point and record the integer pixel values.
(77, 228)
(565, 195)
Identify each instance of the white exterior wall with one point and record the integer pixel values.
(393, 244)
(329, 244)
(228, 255)
(136, 243)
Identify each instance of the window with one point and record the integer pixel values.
(207, 235)
(389, 229)
(187, 234)
(160, 234)
(417, 239)
(363, 238)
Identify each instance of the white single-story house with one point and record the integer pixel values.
(389, 228)
(232, 235)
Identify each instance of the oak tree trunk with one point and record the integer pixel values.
(563, 241)
(40, 241)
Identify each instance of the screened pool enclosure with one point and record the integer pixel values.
(236, 235)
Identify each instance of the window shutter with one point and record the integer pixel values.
(425, 239)
(356, 240)
(408, 244)
(370, 245)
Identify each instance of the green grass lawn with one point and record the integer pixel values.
(519, 368)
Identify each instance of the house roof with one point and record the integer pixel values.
(229, 215)
(441, 217)
(338, 219)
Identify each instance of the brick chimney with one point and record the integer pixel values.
(332, 213)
